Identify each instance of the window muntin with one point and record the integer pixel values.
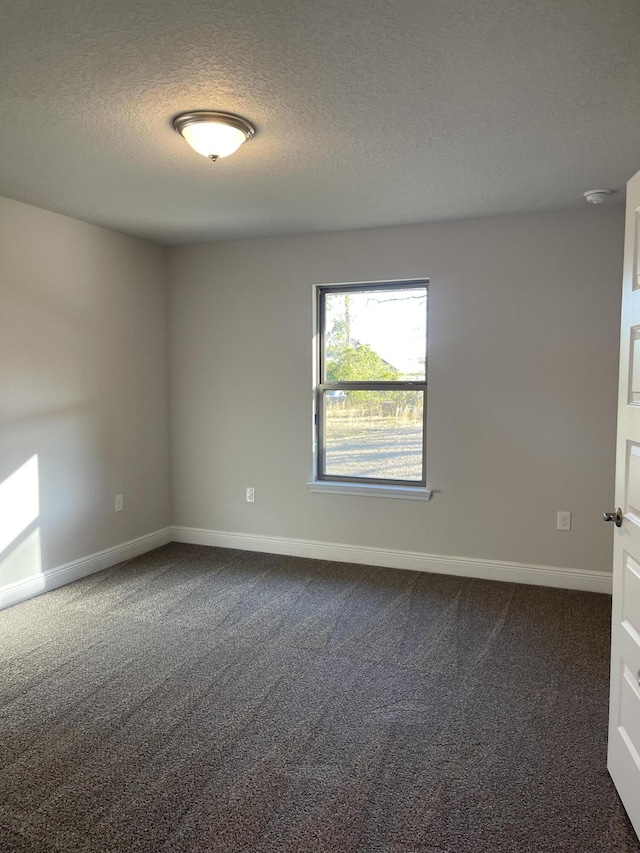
(371, 383)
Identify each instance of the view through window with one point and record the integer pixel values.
(372, 383)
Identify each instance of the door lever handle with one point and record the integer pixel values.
(614, 516)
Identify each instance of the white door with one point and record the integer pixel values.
(624, 711)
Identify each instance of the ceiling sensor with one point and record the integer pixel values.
(596, 196)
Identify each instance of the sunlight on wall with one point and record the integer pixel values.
(19, 508)
(19, 501)
(25, 559)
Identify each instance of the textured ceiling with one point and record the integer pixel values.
(368, 112)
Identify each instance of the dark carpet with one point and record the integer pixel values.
(202, 700)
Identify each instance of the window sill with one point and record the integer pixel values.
(405, 493)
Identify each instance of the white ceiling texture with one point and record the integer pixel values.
(368, 112)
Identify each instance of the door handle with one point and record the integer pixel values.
(614, 516)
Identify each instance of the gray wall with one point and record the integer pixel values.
(83, 384)
(524, 315)
(524, 324)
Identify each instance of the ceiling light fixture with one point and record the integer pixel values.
(596, 196)
(213, 134)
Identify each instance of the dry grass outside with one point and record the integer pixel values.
(350, 421)
(360, 444)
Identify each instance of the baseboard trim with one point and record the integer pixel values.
(469, 567)
(564, 578)
(61, 575)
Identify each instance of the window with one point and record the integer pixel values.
(371, 383)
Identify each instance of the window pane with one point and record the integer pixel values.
(375, 335)
(374, 434)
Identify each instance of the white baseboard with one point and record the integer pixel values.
(467, 567)
(61, 575)
(563, 578)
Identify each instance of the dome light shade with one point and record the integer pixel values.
(213, 134)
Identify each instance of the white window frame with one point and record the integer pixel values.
(371, 487)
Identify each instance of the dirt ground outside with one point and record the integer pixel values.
(368, 447)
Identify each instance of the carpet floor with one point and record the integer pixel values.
(203, 700)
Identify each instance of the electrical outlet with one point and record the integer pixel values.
(251, 494)
(119, 503)
(564, 521)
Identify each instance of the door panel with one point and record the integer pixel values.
(632, 501)
(631, 595)
(629, 719)
(634, 371)
(635, 236)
